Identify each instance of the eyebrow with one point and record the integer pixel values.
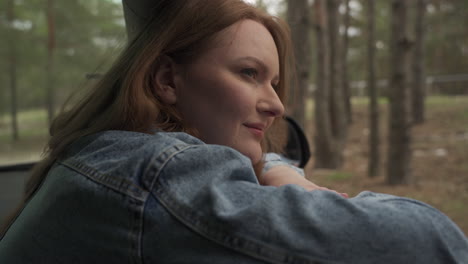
(260, 63)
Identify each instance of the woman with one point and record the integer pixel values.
(156, 164)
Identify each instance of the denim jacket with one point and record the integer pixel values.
(127, 197)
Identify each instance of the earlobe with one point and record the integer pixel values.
(165, 80)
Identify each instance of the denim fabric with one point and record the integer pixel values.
(126, 197)
(273, 160)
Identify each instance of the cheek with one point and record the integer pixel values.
(217, 105)
(229, 110)
(230, 97)
(238, 97)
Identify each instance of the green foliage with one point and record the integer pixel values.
(365, 100)
(446, 48)
(90, 32)
(447, 40)
(87, 35)
(445, 100)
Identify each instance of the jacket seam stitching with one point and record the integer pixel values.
(232, 241)
(109, 181)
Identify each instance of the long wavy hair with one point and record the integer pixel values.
(124, 98)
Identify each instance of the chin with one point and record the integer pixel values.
(254, 155)
(252, 150)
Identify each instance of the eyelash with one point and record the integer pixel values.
(253, 73)
(250, 72)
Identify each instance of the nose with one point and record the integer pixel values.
(269, 102)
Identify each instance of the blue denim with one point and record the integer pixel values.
(272, 159)
(126, 197)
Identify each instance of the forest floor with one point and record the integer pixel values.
(439, 166)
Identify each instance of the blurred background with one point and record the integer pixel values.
(381, 89)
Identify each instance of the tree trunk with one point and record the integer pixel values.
(419, 80)
(50, 100)
(374, 155)
(324, 145)
(345, 82)
(399, 153)
(337, 106)
(13, 64)
(298, 19)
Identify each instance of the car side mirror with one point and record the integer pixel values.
(297, 146)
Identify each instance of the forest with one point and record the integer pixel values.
(381, 89)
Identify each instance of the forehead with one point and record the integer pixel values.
(246, 38)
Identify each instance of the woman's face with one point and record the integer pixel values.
(228, 93)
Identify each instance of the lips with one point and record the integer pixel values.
(258, 129)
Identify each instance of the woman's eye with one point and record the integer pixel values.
(250, 72)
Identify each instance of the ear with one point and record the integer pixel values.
(165, 80)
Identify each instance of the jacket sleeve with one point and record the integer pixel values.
(272, 160)
(213, 191)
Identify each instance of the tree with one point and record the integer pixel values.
(445, 46)
(374, 155)
(299, 21)
(418, 87)
(50, 102)
(46, 52)
(344, 65)
(399, 153)
(324, 144)
(13, 65)
(337, 102)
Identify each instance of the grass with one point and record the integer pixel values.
(339, 176)
(32, 125)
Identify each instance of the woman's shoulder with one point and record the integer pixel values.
(156, 137)
(113, 142)
(124, 155)
(126, 145)
(131, 162)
